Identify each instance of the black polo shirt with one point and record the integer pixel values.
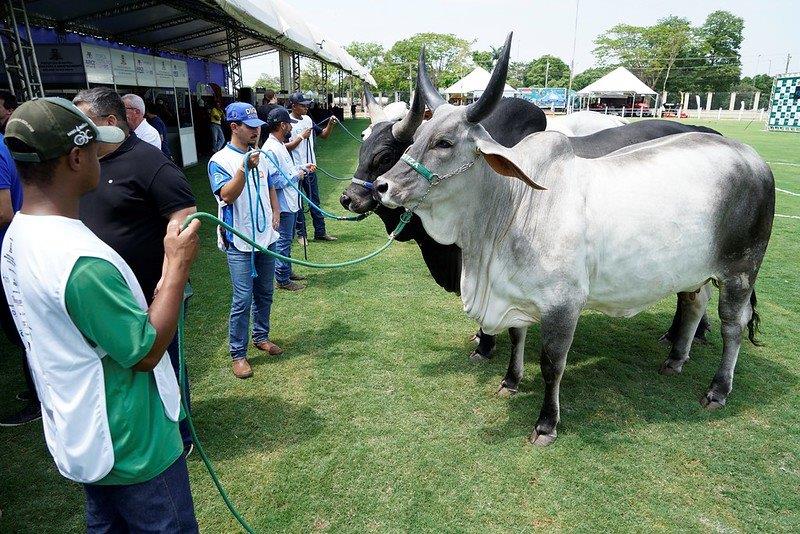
(263, 113)
(139, 188)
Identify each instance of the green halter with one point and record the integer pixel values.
(420, 168)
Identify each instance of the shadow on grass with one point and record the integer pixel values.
(329, 338)
(232, 427)
(330, 279)
(611, 382)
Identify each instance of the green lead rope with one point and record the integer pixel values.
(404, 218)
(273, 158)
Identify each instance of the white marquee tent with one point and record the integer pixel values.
(620, 82)
(475, 83)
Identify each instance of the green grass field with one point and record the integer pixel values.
(375, 420)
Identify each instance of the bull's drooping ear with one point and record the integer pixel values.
(502, 160)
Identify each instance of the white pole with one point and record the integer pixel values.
(741, 110)
(719, 113)
(572, 61)
(697, 98)
(623, 111)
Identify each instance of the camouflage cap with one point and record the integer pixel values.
(52, 127)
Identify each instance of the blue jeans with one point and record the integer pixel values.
(249, 292)
(162, 504)
(310, 187)
(283, 269)
(217, 137)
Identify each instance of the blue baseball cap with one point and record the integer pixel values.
(244, 113)
(300, 98)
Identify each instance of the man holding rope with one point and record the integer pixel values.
(110, 400)
(282, 170)
(301, 148)
(247, 201)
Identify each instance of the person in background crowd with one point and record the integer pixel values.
(279, 125)
(110, 400)
(10, 203)
(156, 122)
(217, 135)
(139, 194)
(8, 103)
(301, 148)
(268, 103)
(238, 196)
(353, 110)
(134, 113)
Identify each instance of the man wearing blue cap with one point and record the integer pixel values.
(301, 148)
(249, 204)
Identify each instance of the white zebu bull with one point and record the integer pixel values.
(377, 113)
(613, 234)
(582, 123)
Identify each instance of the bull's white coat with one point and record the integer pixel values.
(583, 123)
(613, 234)
(392, 112)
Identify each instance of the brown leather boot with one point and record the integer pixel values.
(242, 369)
(269, 346)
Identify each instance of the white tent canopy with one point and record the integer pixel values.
(293, 32)
(475, 82)
(619, 82)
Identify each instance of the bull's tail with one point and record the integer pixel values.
(754, 322)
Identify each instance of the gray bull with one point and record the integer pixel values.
(509, 122)
(613, 234)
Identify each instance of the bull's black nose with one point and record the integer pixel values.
(381, 186)
(345, 201)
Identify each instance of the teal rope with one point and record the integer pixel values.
(215, 220)
(196, 440)
(349, 132)
(329, 175)
(260, 211)
(271, 156)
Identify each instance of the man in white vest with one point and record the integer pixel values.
(110, 401)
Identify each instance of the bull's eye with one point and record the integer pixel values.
(443, 143)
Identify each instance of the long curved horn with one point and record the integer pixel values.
(374, 109)
(424, 83)
(479, 110)
(404, 130)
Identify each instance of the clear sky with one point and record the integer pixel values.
(772, 27)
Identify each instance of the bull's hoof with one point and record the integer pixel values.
(671, 367)
(542, 439)
(712, 401)
(477, 357)
(506, 391)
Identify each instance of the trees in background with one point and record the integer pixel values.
(671, 55)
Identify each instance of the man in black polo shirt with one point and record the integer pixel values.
(268, 103)
(139, 193)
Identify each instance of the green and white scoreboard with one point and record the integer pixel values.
(784, 111)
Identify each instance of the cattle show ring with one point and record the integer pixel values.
(488, 290)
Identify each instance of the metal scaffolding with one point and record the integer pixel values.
(296, 71)
(234, 59)
(16, 48)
